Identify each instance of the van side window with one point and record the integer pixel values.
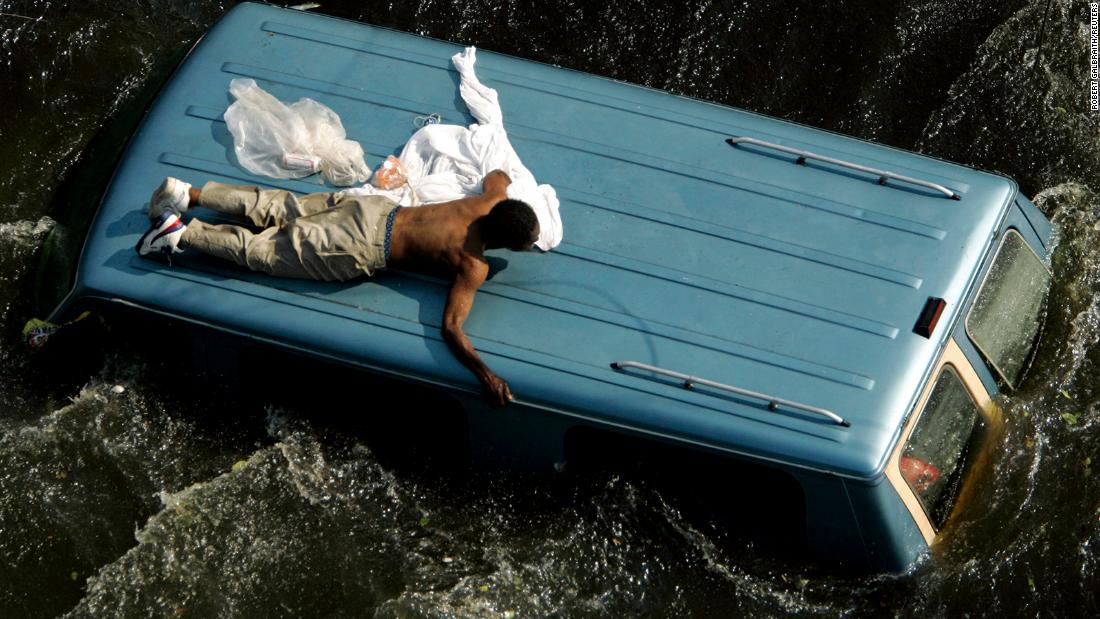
(934, 458)
(1007, 317)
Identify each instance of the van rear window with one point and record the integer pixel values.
(934, 459)
(1008, 313)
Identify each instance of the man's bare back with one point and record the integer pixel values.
(439, 235)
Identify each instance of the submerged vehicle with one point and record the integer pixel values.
(828, 312)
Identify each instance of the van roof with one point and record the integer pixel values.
(732, 264)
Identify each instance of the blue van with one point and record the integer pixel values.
(836, 312)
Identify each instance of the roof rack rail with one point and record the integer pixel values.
(883, 175)
(773, 402)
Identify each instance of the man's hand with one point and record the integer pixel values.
(496, 390)
(496, 183)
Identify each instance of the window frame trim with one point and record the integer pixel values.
(952, 356)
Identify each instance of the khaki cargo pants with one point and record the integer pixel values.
(323, 236)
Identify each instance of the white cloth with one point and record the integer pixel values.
(448, 162)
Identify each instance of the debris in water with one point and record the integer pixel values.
(238, 465)
(1069, 418)
(74, 575)
(36, 332)
(307, 6)
(118, 389)
(424, 521)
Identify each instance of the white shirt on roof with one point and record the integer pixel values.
(448, 162)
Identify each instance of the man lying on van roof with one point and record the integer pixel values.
(337, 236)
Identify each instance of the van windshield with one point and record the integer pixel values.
(1008, 313)
(934, 458)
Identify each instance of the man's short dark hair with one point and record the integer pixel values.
(511, 224)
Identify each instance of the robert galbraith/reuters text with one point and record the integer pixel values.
(1094, 71)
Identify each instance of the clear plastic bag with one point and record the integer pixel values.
(390, 174)
(274, 139)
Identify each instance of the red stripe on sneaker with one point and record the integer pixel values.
(169, 230)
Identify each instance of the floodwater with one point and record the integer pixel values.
(125, 491)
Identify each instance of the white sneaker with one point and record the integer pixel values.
(163, 237)
(172, 196)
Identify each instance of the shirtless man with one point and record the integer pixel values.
(336, 236)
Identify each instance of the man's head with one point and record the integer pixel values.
(511, 224)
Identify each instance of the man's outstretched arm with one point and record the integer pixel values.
(471, 274)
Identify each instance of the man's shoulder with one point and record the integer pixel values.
(472, 261)
(464, 210)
